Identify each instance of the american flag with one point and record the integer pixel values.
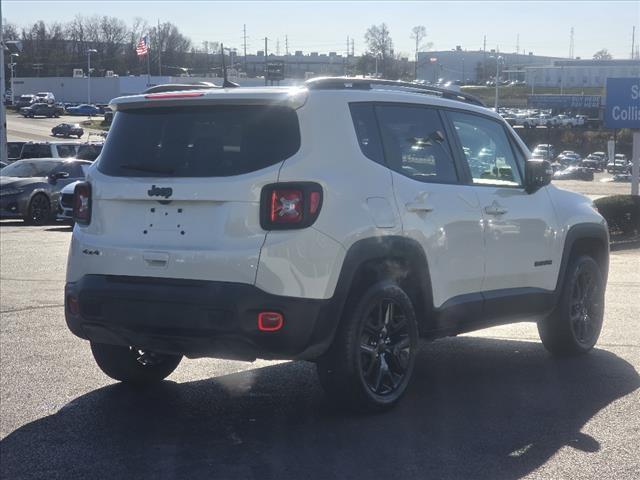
(143, 47)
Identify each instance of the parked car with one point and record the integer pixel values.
(547, 150)
(574, 173)
(601, 158)
(89, 151)
(619, 164)
(25, 101)
(68, 130)
(569, 157)
(14, 151)
(45, 97)
(29, 189)
(65, 200)
(108, 116)
(40, 110)
(83, 109)
(592, 163)
(48, 150)
(335, 224)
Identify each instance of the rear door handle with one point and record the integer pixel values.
(418, 207)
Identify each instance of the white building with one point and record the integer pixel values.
(580, 73)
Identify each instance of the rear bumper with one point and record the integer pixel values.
(198, 318)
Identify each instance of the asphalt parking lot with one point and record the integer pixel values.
(39, 128)
(492, 404)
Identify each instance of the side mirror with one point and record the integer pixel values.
(538, 174)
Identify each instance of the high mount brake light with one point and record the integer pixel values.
(82, 203)
(292, 205)
(165, 95)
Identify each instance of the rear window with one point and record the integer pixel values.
(207, 141)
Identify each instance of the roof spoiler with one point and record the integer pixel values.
(177, 87)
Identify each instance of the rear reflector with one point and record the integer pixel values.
(73, 304)
(174, 95)
(270, 321)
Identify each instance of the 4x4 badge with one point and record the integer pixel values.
(165, 192)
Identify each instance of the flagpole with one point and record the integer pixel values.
(148, 68)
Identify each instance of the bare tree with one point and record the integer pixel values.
(602, 55)
(380, 45)
(417, 33)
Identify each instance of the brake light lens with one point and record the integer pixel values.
(82, 203)
(290, 205)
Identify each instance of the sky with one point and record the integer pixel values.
(323, 26)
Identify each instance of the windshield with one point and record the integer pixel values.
(26, 168)
(203, 141)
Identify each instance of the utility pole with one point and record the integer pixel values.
(3, 113)
(484, 58)
(159, 51)
(277, 47)
(571, 43)
(265, 60)
(353, 48)
(286, 45)
(244, 40)
(346, 59)
(633, 41)
(518, 44)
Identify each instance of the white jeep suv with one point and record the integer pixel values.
(336, 223)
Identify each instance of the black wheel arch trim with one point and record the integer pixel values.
(583, 231)
(379, 251)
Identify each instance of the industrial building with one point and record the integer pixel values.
(475, 66)
(580, 73)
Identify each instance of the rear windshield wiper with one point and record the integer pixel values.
(142, 168)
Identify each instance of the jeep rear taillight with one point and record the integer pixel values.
(287, 206)
(290, 205)
(82, 203)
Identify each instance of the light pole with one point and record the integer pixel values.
(498, 60)
(12, 66)
(89, 52)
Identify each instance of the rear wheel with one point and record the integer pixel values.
(39, 210)
(575, 325)
(132, 365)
(371, 360)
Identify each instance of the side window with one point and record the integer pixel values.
(414, 143)
(364, 121)
(36, 150)
(66, 151)
(487, 150)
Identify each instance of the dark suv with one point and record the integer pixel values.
(41, 110)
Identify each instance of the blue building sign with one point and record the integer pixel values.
(563, 101)
(623, 103)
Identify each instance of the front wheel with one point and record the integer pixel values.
(132, 365)
(372, 357)
(39, 210)
(575, 324)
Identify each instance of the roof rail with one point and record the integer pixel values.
(337, 83)
(176, 87)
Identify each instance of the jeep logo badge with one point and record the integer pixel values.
(165, 192)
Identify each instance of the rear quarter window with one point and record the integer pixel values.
(203, 141)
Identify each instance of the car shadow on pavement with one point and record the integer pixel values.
(477, 408)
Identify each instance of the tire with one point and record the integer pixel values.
(369, 365)
(39, 210)
(574, 326)
(122, 364)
